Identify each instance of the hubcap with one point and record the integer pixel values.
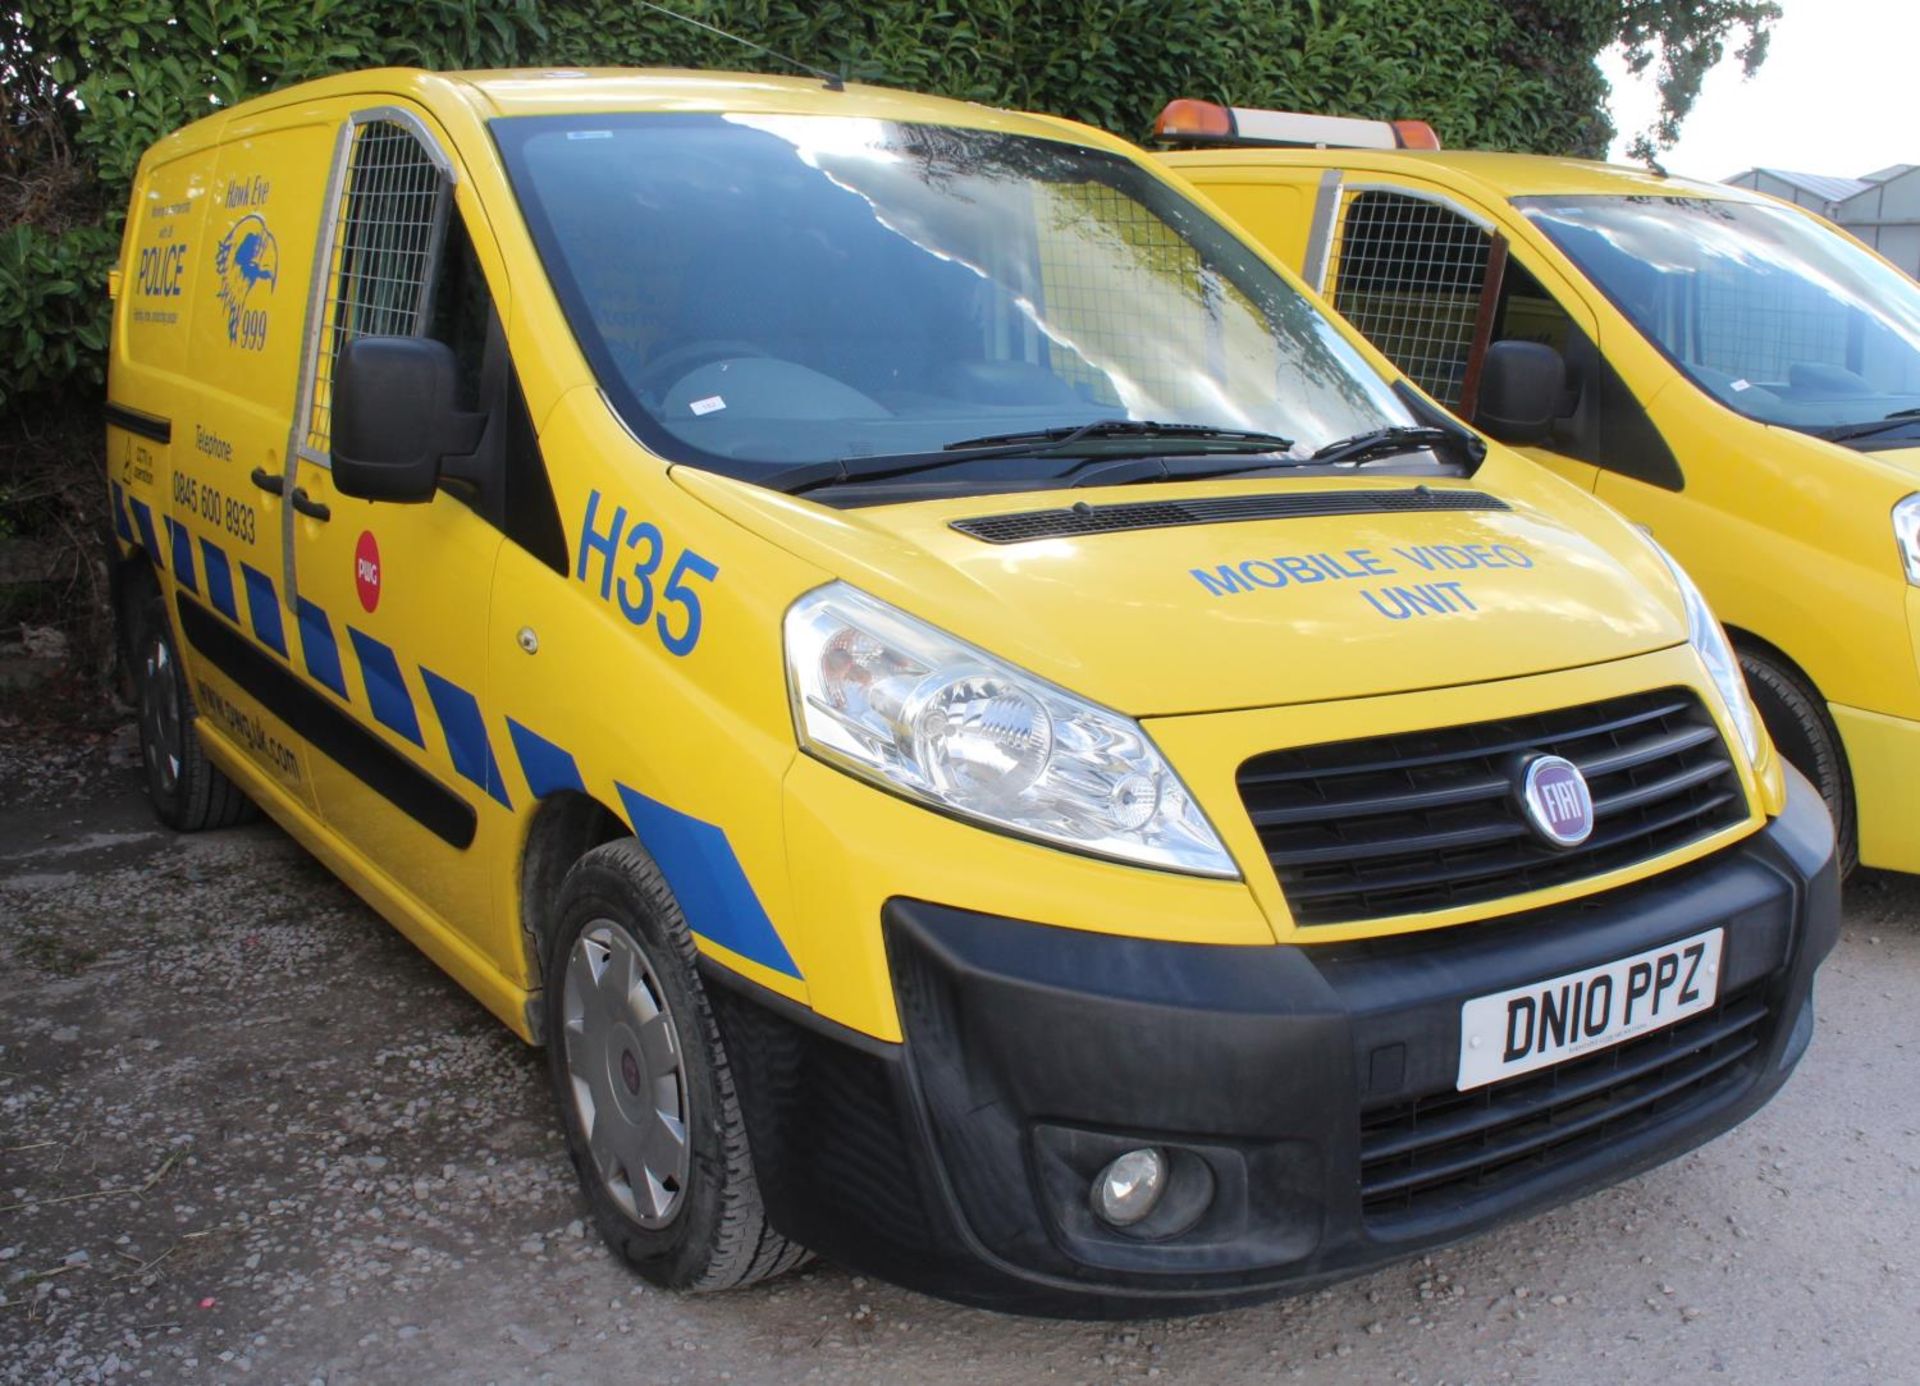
(624, 1065)
(160, 715)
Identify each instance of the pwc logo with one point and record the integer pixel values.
(1556, 801)
(366, 570)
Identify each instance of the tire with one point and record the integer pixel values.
(189, 792)
(1797, 720)
(633, 1051)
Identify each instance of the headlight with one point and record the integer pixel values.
(1906, 533)
(895, 701)
(1711, 643)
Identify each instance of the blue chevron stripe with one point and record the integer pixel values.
(219, 579)
(263, 609)
(143, 518)
(547, 768)
(386, 689)
(180, 539)
(120, 525)
(708, 881)
(318, 647)
(466, 733)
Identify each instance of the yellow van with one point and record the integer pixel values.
(987, 736)
(1737, 374)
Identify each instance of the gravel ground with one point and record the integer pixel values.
(248, 1134)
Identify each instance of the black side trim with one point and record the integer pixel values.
(134, 421)
(1083, 519)
(329, 730)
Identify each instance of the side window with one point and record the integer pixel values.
(1600, 421)
(462, 311)
(1528, 313)
(506, 482)
(1411, 275)
(390, 221)
(1432, 288)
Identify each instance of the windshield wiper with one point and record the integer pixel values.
(1386, 442)
(1845, 432)
(1046, 440)
(1181, 439)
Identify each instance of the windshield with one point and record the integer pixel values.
(758, 291)
(1769, 311)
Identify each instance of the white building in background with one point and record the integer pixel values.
(1882, 208)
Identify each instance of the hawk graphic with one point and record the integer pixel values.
(246, 255)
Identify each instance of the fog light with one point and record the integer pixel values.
(1130, 1188)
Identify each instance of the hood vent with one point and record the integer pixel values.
(1084, 519)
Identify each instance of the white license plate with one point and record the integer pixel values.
(1517, 1031)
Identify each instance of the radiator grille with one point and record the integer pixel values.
(1429, 820)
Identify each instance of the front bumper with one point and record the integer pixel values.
(958, 1162)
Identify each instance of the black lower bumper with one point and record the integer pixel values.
(1306, 1092)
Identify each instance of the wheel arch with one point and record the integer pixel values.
(1745, 640)
(130, 580)
(565, 827)
(1746, 643)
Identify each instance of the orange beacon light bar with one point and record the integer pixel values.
(1187, 121)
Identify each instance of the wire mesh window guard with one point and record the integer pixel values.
(1084, 298)
(1410, 275)
(1763, 335)
(390, 223)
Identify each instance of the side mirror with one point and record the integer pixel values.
(1521, 384)
(394, 419)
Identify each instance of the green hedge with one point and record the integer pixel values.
(93, 82)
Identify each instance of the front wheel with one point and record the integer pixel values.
(1796, 718)
(652, 1121)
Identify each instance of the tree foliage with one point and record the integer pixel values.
(86, 85)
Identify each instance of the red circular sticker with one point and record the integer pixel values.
(366, 569)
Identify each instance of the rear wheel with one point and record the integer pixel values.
(1796, 719)
(646, 1096)
(189, 792)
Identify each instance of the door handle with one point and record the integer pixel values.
(272, 482)
(311, 508)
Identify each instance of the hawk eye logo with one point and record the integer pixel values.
(246, 257)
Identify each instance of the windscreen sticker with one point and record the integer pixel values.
(712, 404)
(1421, 595)
(247, 257)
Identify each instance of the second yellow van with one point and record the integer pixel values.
(1735, 373)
